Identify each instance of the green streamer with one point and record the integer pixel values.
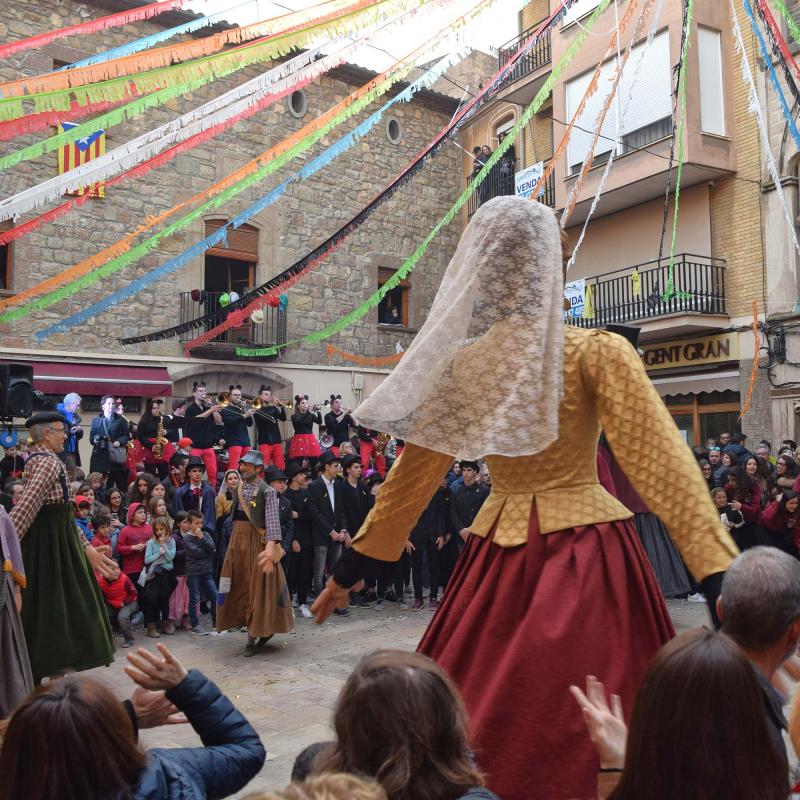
(148, 245)
(794, 28)
(408, 265)
(201, 72)
(669, 289)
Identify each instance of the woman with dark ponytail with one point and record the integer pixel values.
(304, 444)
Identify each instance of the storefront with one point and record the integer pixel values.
(698, 379)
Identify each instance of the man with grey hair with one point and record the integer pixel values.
(760, 610)
(63, 612)
(68, 408)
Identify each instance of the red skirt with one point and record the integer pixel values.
(304, 445)
(518, 625)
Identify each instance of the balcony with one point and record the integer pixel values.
(271, 331)
(537, 57)
(697, 305)
(498, 184)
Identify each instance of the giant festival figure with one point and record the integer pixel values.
(553, 583)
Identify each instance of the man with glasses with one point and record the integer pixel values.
(63, 614)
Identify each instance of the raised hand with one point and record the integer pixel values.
(155, 673)
(606, 726)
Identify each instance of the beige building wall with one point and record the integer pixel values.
(632, 236)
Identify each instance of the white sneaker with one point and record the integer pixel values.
(305, 611)
(696, 598)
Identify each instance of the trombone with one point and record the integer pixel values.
(243, 406)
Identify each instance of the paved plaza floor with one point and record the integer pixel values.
(288, 690)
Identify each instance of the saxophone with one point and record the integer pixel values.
(381, 440)
(161, 439)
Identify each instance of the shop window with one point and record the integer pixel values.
(395, 307)
(6, 258)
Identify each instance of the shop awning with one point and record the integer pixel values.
(699, 382)
(54, 377)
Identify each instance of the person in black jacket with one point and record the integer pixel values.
(269, 441)
(329, 533)
(77, 709)
(237, 417)
(301, 566)
(203, 425)
(338, 423)
(467, 500)
(277, 479)
(358, 500)
(109, 428)
(428, 538)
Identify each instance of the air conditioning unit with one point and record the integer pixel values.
(357, 381)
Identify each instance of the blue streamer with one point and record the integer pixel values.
(328, 155)
(767, 57)
(147, 42)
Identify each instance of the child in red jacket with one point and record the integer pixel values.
(121, 601)
(132, 541)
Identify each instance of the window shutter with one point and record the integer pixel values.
(651, 100)
(712, 101)
(583, 133)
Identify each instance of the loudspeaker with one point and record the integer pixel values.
(16, 390)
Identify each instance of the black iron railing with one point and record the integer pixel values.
(270, 330)
(698, 288)
(537, 57)
(500, 181)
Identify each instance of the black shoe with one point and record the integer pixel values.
(249, 650)
(262, 640)
(342, 612)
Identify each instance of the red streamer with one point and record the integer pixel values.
(93, 25)
(776, 32)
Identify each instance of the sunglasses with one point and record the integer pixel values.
(717, 449)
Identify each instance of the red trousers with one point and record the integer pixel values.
(234, 454)
(273, 454)
(209, 457)
(367, 450)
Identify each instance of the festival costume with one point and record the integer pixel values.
(554, 584)
(247, 596)
(368, 450)
(236, 433)
(304, 444)
(204, 433)
(146, 436)
(16, 680)
(63, 612)
(339, 428)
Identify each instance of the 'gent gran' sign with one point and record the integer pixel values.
(691, 352)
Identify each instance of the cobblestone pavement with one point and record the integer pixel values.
(288, 690)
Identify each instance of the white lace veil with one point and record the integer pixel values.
(484, 374)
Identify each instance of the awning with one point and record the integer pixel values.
(56, 377)
(698, 382)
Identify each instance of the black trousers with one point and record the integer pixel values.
(417, 561)
(299, 573)
(119, 479)
(393, 574)
(448, 557)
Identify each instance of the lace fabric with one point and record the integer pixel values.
(494, 331)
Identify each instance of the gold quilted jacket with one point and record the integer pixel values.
(605, 385)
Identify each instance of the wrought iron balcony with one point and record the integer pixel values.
(270, 331)
(498, 183)
(699, 288)
(537, 57)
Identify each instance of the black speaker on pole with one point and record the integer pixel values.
(16, 390)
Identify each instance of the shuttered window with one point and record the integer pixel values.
(649, 103)
(712, 103)
(580, 9)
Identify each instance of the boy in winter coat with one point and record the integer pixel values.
(200, 551)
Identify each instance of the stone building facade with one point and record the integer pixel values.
(306, 215)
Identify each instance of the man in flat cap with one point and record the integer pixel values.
(247, 596)
(63, 614)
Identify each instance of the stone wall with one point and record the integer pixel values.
(307, 214)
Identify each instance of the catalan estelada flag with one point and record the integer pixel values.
(74, 154)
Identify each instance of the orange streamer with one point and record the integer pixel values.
(364, 361)
(754, 371)
(590, 90)
(169, 55)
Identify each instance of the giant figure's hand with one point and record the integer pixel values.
(102, 564)
(333, 596)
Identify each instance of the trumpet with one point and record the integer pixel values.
(258, 403)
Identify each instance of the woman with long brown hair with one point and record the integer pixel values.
(46, 753)
(423, 752)
(698, 728)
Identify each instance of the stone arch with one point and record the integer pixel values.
(787, 151)
(218, 378)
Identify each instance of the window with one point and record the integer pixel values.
(6, 255)
(230, 267)
(394, 308)
(712, 98)
(644, 114)
(394, 130)
(580, 9)
(298, 103)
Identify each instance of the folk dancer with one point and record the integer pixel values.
(249, 597)
(237, 417)
(553, 583)
(268, 433)
(202, 425)
(63, 612)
